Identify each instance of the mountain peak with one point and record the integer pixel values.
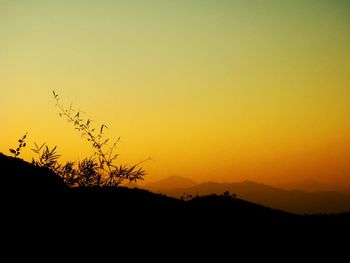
(172, 182)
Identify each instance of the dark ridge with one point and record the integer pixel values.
(18, 176)
(35, 198)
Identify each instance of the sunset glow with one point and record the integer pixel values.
(211, 90)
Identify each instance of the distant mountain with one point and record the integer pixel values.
(312, 185)
(172, 182)
(291, 201)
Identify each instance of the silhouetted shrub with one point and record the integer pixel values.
(16, 152)
(229, 195)
(101, 168)
(46, 157)
(186, 197)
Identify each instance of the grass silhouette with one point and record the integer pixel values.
(16, 152)
(99, 170)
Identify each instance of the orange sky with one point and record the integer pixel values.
(212, 90)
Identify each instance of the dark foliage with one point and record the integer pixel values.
(17, 151)
(101, 169)
(46, 157)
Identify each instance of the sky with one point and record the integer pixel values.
(213, 90)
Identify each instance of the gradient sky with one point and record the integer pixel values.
(217, 90)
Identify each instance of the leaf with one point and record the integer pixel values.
(12, 151)
(101, 130)
(54, 149)
(37, 147)
(35, 150)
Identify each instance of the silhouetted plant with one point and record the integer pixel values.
(69, 174)
(46, 157)
(88, 174)
(229, 195)
(16, 152)
(186, 197)
(101, 168)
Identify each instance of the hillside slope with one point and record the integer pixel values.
(36, 196)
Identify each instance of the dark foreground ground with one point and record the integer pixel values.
(36, 205)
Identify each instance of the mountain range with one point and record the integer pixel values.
(294, 201)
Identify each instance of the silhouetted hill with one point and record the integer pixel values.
(28, 205)
(18, 176)
(30, 187)
(291, 201)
